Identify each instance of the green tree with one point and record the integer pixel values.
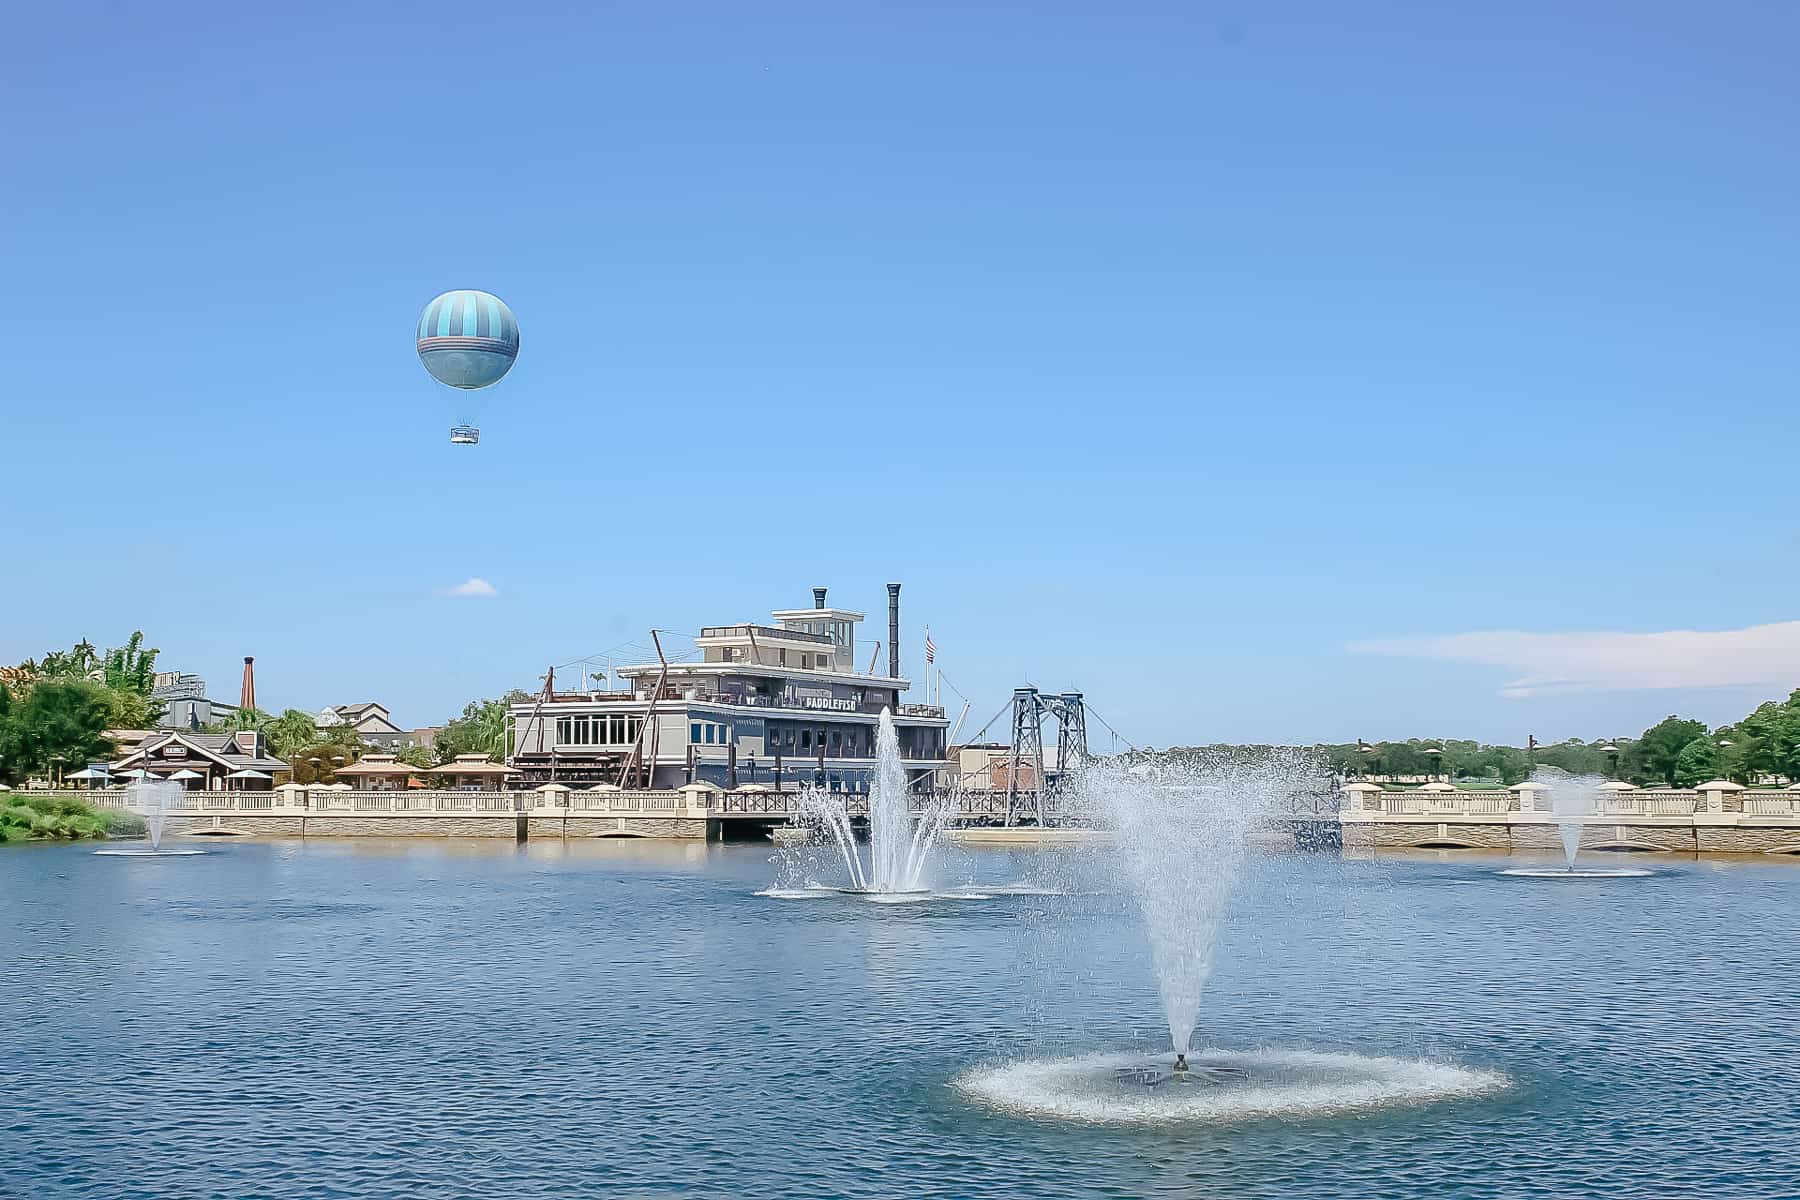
(1767, 742)
(243, 718)
(315, 763)
(1576, 757)
(80, 661)
(480, 730)
(1652, 758)
(1698, 762)
(291, 732)
(129, 671)
(61, 723)
(415, 756)
(9, 755)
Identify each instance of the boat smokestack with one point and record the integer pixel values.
(893, 631)
(818, 597)
(247, 693)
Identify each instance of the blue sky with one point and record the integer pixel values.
(1204, 357)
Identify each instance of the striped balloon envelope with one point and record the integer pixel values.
(468, 339)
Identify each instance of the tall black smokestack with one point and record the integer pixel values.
(818, 597)
(893, 631)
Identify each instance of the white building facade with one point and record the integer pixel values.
(777, 705)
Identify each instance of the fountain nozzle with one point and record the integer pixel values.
(1181, 1063)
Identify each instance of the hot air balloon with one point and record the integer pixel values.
(467, 340)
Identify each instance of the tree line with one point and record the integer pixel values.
(1764, 746)
(55, 714)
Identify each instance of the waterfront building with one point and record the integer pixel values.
(204, 761)
(987, 767)
(777, 705)
(376, 773)
(473, 773)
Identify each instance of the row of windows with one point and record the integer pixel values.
(619, 729)
(840, 632)
(807, 660)
(599, 729)
(836, 743)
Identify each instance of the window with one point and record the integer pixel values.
(790, 739)
(616, 730)
(694, 733)
(837, 743)
(805, 739)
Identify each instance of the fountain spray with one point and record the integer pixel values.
(1183, 830)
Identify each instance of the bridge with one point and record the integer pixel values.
(1716, 817)
(697, 810)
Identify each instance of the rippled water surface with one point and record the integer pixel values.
(336, 1019)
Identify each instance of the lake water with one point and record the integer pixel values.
(620, 1019)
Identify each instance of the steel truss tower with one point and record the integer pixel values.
(1026, 781)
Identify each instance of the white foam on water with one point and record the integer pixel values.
(1279, 1083)
(832, 893)
(128, 852)
(1583, 873)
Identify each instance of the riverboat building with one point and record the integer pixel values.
(775, 706)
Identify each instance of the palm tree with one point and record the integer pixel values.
(131, 668)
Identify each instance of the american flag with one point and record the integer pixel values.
(930, 648)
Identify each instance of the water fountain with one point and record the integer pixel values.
(1571, 800)
(1184, 834)
(151, 799)
(899, 845)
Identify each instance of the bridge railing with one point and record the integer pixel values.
(626, 802)
(1646, 802)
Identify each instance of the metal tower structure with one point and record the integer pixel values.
(1026, 780)
(1071, 731)
(1027, 754)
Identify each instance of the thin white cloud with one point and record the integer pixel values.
(1611, 662)
(473, 586)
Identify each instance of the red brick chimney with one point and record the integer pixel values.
(247, 694)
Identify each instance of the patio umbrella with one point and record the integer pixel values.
(184, 773)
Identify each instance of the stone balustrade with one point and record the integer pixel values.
(1712, 817)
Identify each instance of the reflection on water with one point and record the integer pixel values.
(626, 1017)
